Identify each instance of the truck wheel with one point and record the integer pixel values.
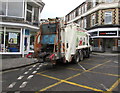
(87, 54)
(77, 58)
(81, 55)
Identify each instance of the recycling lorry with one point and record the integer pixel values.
(59, 41)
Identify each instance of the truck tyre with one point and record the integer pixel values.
(81, 55)
(87, 53)
(77, 58)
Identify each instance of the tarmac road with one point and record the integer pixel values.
(97, 73)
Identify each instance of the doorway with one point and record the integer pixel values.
(108, 44)
(26, 44)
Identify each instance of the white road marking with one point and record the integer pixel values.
(17, 91)
(30, 69)
(30, 77)
(104, 87)
(23, 84)
(34, 72)
(26, 72)
(40, 65)
(81, 67)
(116, 62)
(34, 66)
(20, 77)
(38, 68)
(12, 85)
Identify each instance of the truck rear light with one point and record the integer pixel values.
(52, 56)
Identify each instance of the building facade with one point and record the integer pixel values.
(18, 25)
(102, 20)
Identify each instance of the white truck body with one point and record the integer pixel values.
(73, 35)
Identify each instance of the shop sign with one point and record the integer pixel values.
(108, 33)
(118, 42)
(12, 38)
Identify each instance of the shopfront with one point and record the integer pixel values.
(17, 40)
(106, 40)
(10, 40)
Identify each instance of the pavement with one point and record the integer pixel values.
(13, 63)
(106, 54)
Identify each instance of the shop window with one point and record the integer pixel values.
(1, 40)
(95, 43)
(12, 40)
(32, 39)
(108, 17)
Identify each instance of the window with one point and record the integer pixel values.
(108, 17)
(85, 23)
(93, 20)
(9, 40)
(12, 40)
(29, 7)
(108, 1)
(94, 3)
(15, 8)
(2, 8)
(29, 16)
(80, 11)
(32, 38)
(12, 8)
(85, 7)
(36, 14)
(1, 39)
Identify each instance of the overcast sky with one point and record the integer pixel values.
(58, 8)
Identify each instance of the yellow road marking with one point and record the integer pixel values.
(95, 72)
(72, 83)
(49, 86)
(105, 73)
(49, 76)
(98, 66)
(44, 71)
(74, 69)
(65, 81)
(114, 85)
(73, 76)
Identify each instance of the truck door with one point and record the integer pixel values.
(37, 44)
